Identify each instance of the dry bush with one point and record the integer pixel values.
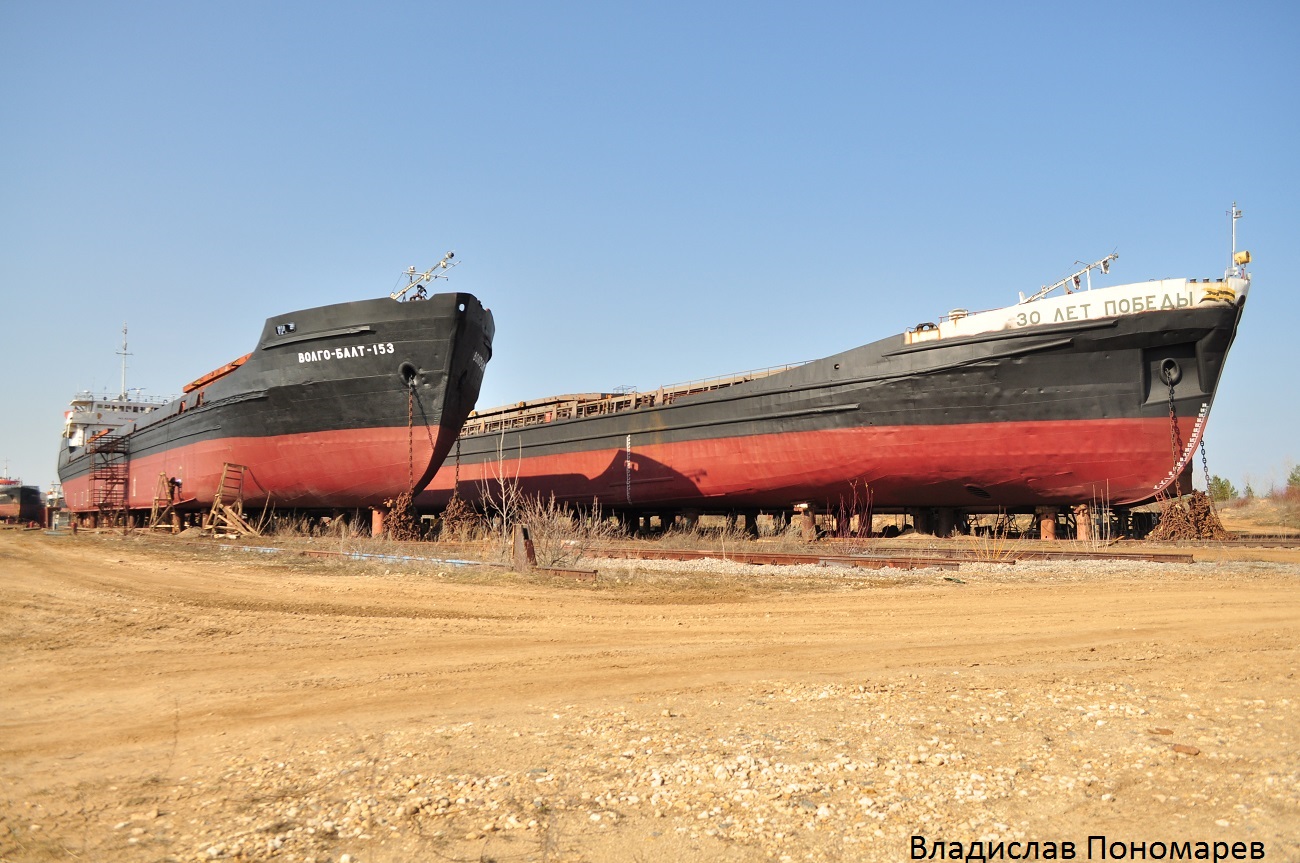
(1289, 507)
(853, 515)
(291, 525)
(788, 537)
(500, 496)
(999, 541)
(561, 533)
(707, 532)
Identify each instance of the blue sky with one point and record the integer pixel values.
(643, 193)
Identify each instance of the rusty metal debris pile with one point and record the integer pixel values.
(458, 519)
(402, 521)
(1189, 517)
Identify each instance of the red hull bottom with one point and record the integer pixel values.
(320, 470)
(972, 466)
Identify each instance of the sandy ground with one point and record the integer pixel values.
(185, 703)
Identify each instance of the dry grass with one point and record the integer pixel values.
(561, 534)
(1277, 514)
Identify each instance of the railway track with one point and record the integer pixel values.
(1010, 554)
(864, 554)
(1246, 540)
(777, 558)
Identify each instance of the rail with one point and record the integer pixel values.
(706, 384)
(583, 405)
(84, 395)
(1009, 552)
(778, 558)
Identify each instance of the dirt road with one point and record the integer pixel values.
(180, 703)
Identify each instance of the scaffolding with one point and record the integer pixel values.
(110, 468)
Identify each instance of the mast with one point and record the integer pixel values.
(1237, 263)
(124, 353)
(1233, 215)
(416, 280)
(1103, 265)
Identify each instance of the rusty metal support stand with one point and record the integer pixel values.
(1083, 522)
(524, 553)
(1046, 516)
(808, 524)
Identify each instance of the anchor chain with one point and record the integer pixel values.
(414, 397)
(1192, 518)
(1205, 465)
(410, 440)
(401, 521)
(1175, 442)
(1175, 437)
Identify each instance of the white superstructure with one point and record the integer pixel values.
(89, 414)
(1085, 305)
(1081, 302)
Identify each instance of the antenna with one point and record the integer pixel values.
(124, 353)
(417, 280)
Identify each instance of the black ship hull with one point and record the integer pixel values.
(1010, 419)
(341, 406)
